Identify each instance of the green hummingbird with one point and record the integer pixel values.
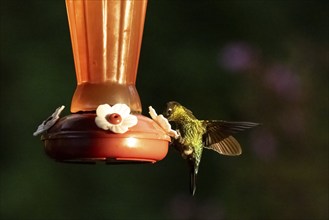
(195, 135)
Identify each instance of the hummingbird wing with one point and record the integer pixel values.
(218, 136)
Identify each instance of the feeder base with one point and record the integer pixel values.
(76, 139)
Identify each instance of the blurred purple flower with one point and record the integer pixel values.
(283, 81)
(237, 56)
(264, 145)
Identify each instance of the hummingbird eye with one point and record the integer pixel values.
(169, 111)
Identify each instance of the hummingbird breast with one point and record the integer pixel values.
(191, 138)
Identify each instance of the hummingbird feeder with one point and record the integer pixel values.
(106, 122)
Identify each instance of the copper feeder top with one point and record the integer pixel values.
(106, 39)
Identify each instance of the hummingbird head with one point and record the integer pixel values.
(170, 109)
(175, 112)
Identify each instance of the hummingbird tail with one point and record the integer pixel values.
(194, 167)
(193, 176)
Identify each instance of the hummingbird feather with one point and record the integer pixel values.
(218, 136)
(195, 135)
(193, 176)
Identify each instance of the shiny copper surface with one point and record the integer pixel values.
(106, 39)
(76, 138)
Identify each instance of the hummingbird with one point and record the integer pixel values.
(195, 135)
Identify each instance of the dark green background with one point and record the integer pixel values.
(283, 172)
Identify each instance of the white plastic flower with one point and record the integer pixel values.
(116, 118)
(163, 123)
(49, 122)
